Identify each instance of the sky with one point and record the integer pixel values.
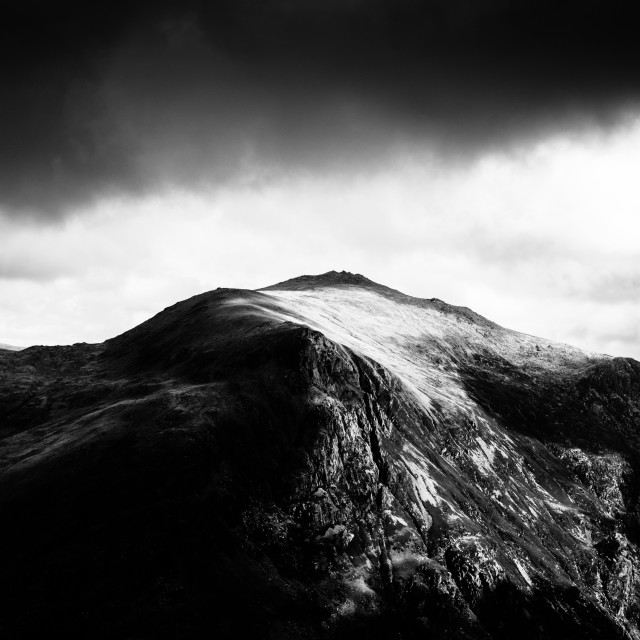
(480, 152)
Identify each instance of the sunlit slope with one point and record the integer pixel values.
(424, 342)
(445, 356)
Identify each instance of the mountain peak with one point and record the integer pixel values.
(329, 278)
(346, 278)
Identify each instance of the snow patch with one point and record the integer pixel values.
(523, 571)
(556, 506)
(489, 450)
(425, 486)
(481, 463)
(397, 520)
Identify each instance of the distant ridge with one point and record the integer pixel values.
(10, 347)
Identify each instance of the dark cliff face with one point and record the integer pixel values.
(317, 460)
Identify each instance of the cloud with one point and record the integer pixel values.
(102, 99)
(484, 153)
(530, 240)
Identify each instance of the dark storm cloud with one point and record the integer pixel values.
(101, 98)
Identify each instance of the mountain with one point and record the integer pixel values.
(321, 458)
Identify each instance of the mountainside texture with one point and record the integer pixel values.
(319, 459)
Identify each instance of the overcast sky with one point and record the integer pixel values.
(482, 152)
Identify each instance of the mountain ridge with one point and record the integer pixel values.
(9, 347)
(338, 278)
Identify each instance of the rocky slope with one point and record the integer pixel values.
(318, 459)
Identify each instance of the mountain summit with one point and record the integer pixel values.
(330, 278)
(316, 459)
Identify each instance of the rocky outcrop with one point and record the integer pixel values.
(229, 469)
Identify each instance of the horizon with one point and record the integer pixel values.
(274, 286)
(484, 155)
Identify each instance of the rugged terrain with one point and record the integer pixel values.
(321, 458)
